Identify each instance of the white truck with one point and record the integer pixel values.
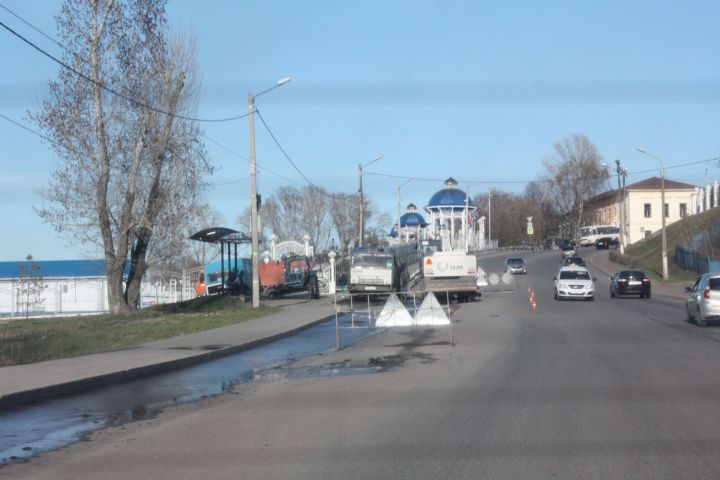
(451, 273)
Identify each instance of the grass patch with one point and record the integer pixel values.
(36, 340)
(647, 254)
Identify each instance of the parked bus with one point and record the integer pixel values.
(587, 236)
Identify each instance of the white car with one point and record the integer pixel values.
(703, 300)
(574, 282)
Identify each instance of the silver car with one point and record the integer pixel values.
(515, 265)
(703, 300)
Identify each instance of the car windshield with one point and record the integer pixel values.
(372, 260)
(515, 261)
(574, 275)
(632, 274)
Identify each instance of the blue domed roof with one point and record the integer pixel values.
(412, 219)
(409, 219)
(450, 196)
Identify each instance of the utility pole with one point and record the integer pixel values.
(662, 212)
(254, 224)
(621, 206)
(361, 238)
(253, 207)
(489, 220)
(362, 208)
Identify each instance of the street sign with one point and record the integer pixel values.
(530, 230)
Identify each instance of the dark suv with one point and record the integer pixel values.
(630, 282)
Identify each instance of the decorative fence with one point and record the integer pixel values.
(696, 261)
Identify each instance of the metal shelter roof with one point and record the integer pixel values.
(220, 234)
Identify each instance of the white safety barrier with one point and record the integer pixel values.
(394, 313)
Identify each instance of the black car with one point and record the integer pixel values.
(630, 282)
(573, 260)
(606, 242)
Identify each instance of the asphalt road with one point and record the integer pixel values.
(615, 388)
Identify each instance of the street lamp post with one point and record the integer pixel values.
(398, 205)
(253, 195)
(621, 172)
(362, 201)
(662, 212)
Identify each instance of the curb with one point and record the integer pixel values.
(43, 393)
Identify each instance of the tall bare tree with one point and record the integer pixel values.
(574, 174)
(129, 168)
(345, 215)
(291, 213)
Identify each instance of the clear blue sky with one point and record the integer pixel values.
(477, 90)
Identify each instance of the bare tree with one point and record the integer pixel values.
(130, 168)
(291, 213)
(345, 215)
(574, 174)
(30, 287)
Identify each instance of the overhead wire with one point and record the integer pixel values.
(114, 91)
(31, 25)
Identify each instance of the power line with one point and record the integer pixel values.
(318, 189)
(115, 92)
(31, 25)
(25, 128)
(282, 149)
(260, 167)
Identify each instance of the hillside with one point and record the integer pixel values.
(647, 254)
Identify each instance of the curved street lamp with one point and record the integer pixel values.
(253, 194)
(362, 202)
(398, 205)
(662, 211)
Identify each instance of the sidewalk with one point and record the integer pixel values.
(20, 384)
(600, 259)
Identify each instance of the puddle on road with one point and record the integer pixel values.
(54, 423)
(340, 369)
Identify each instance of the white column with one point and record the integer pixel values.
(698, 199)
(716, 189)
(273, 239)
(331, 285)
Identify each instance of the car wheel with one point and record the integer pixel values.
(701, 322)
(690, 318)
(648, 295)
(612, 293)
(642, 295)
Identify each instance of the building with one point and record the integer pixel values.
(412, 226)
(72, 287)
(642, 207)
(453, 219)
(66, 287)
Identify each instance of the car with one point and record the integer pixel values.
(606, 242)
(573, 260)
(574, 282)
(703, 299)
(515, 265)
(630, 282)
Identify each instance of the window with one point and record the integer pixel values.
(648, 210)
(667, 210)
(648, 234)
(683, 210)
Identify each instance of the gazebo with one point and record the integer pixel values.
(451, 211)
(412, 226)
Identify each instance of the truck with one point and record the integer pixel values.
(287, 275)
(450, 272)
(375, 270)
